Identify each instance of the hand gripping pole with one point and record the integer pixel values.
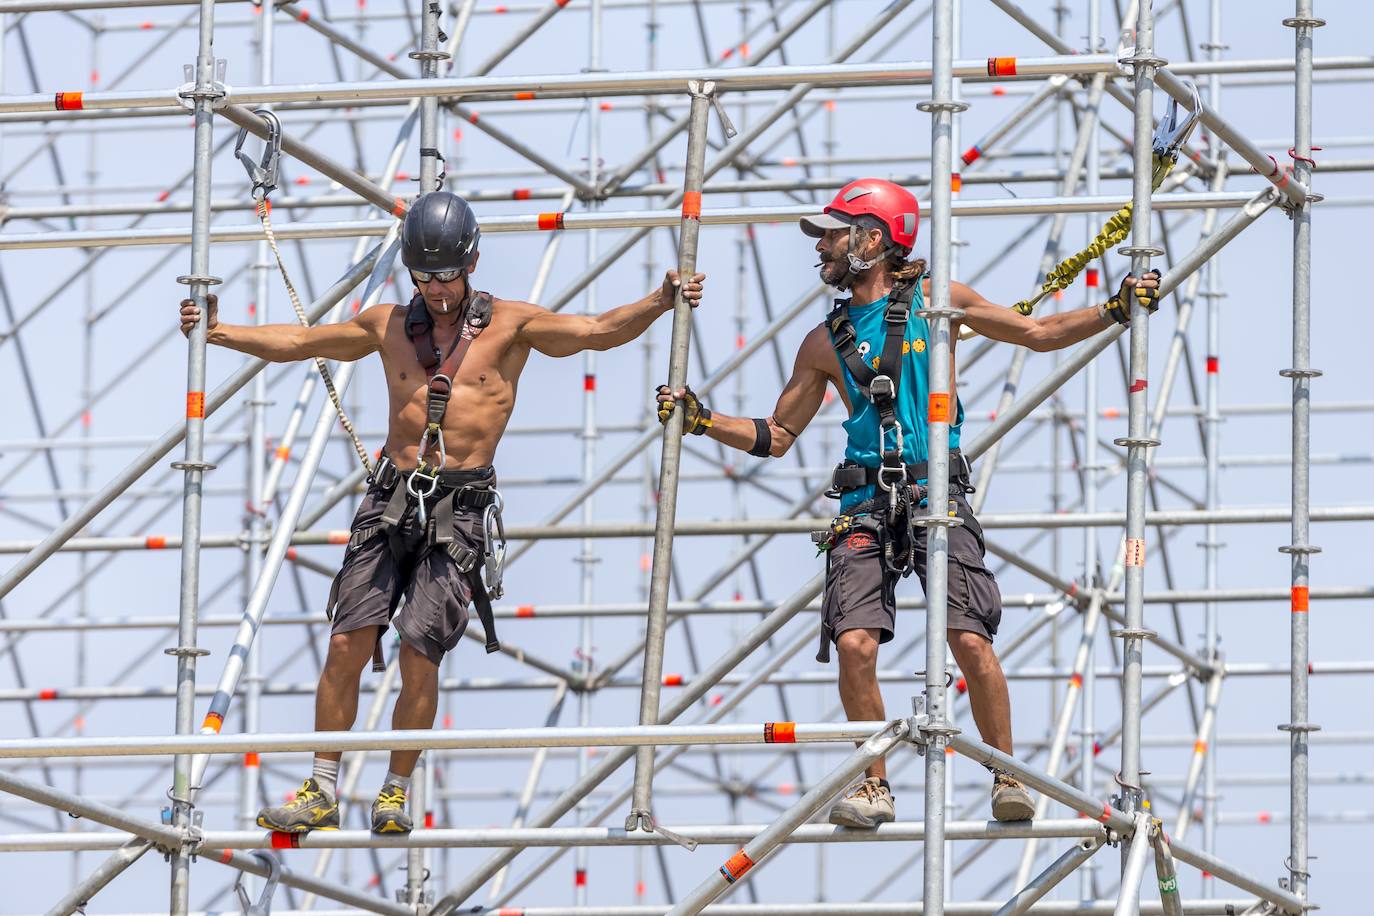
(641, 816)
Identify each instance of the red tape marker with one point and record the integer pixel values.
(67, 101)
(780, 732)
(285, 840)
(691, 205)
(525, 610)
(1139, 385)
(549, 221)
(1001, 66)
(213, 721)
(49, 694)
(195, 405)
(250, 759)
(1213, 365)
(155, 542)
(1300, 595)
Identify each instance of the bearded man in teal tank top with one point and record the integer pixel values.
(872, 349)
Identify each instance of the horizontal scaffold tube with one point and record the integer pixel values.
(416, 739)
(612, 219)
(580, 85)
(1034, 520)
(501, 837)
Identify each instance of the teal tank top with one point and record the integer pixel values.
(862, 427)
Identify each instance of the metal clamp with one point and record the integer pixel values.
(188, 94)
(263, 174)
(264, 905)
(494, 548)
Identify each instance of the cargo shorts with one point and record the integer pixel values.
(861, 594)
(425, 583)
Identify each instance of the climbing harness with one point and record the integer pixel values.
(264, 174)
(475, 315)
(890, 516)
(880, 383)
(469, 490)
(1169, 136)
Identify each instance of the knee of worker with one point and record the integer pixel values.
(417, 671)
(349, 652)
(857, 649)
(973, 652)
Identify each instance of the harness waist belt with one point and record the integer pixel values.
(855, 476)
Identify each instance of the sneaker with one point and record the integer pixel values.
(311, 809)
(389, 811)
(866, 805)
(1010, 800)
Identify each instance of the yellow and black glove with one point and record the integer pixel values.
(696, 418)
(1118, 308)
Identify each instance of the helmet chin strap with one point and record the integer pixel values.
(855, 265)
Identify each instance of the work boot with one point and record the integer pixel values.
(311, 809)
(866, 805)
(389, 811)
(1010, 800)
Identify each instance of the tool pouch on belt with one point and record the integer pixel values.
(841, 527)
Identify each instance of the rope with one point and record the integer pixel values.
(1114, 232)
(264, 211)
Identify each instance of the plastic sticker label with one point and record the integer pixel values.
(939, 407)
(735, 867)
(1135, 551)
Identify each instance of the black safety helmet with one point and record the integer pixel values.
(440, 233)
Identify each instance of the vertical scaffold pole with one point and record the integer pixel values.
(430, 55)
(1212, 444)
(1092, 295)
(641, 816)
(939, 313)
(255, 479)
(1137, 442)
(1299, 547)
(587, 558)
(205, 91)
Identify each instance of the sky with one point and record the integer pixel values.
(132, 359)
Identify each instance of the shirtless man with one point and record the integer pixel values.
(453, 358)
(872, 350)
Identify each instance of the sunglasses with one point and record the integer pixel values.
(443, 276)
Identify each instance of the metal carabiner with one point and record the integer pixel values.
(494, 549)
(1172, 133)
(264, 905)
(263, 173)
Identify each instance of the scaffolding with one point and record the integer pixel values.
(746, 139)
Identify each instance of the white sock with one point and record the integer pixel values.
(394, 779)
(326, 774)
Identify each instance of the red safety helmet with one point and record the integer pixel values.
(891, 206)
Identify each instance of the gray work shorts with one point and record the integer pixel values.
(426, 584)
(860, 594)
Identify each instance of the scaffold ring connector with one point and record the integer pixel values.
(1134, 633)
(186, 651)
(1136, 442)
(1298, 22)
(930, 106)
